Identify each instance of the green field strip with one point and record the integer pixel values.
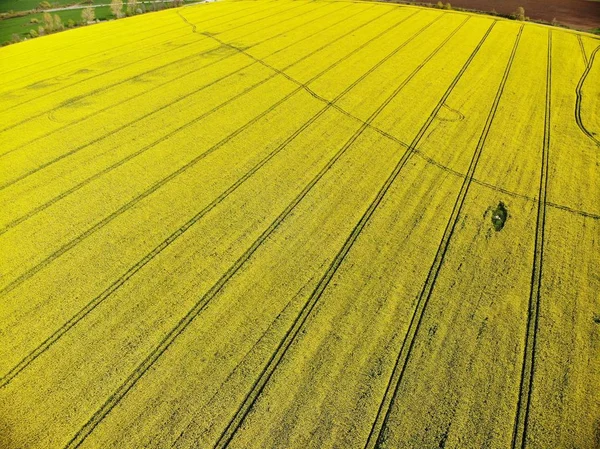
(350, 86)
(72, 109)
(80, 35)
(318, 227)
(572, 171)
(117, 60)
(379, 431)
(121, 73)
(24, 56)
(157, 185)
(565, 399)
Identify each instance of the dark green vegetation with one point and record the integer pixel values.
(21, 26)
(499, 216)
(27, 5)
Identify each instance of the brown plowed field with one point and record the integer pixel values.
(581, 14)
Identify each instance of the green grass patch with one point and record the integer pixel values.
(27, 5)
(22, 25)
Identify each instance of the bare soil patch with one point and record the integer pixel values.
(580, 14)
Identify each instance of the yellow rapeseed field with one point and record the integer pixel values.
(300, 224)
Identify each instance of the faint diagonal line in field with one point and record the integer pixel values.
(293, 331)
(121, 54)
(572, 210)
(376, 434)
(389, 136)
(26, 275)
(151, 113)
(429, 160)
(259, 61)
(522, 413)
(117, 284)
(579, 94)
(181, 75)
(199, 306)
(77, 187)
(86, 41)
(154, 55)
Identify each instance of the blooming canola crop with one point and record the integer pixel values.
(293, 223)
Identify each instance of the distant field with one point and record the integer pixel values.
(24, 5)
(295, 224)
(22, 25)
(580, 14)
